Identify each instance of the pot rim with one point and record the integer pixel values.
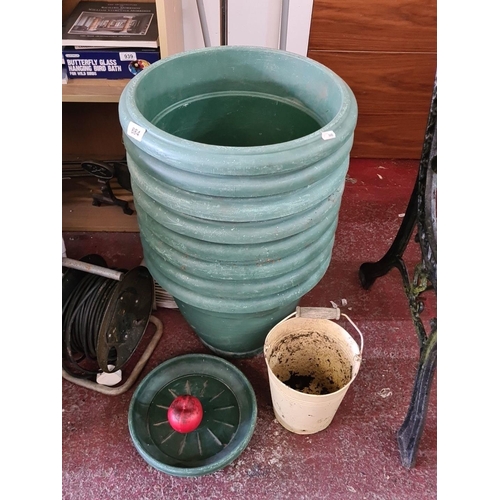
(129, 112)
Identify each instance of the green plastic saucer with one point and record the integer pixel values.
(229, 415)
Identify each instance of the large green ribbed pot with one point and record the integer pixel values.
(237, 158)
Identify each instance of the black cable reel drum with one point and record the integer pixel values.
(103, 318)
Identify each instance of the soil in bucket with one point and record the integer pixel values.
(311, 362)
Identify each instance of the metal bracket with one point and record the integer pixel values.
(104, 173)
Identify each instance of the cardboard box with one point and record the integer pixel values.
(111, 24)
(115, 63)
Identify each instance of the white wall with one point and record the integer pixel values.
(299, 25)
(255, 22)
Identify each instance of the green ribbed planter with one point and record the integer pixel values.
(238, 158)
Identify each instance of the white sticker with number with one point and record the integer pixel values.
(127, 56)
(329, 134)
(135, 131)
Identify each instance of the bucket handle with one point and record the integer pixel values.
(325, 313)
(359, 333)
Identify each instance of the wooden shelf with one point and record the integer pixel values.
(78, 213)
(89, 134)
(171, 39)
(86, 90)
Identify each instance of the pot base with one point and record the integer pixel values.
(238, 335)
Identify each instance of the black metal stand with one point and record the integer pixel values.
(108, 197)
(104, 173)
(421, 212)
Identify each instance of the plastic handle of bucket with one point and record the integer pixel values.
(359, 333)
(314, 313)
(342, 314)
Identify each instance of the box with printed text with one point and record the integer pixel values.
(108, 63)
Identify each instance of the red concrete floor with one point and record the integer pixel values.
(356, 457)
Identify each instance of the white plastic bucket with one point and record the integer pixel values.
(311, 363)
